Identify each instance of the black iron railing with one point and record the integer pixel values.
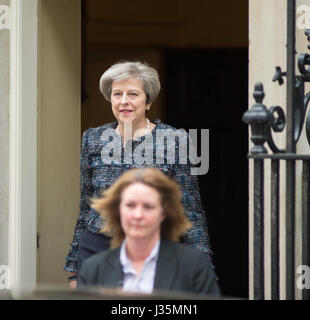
(263, 121)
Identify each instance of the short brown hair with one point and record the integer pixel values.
(175, 223)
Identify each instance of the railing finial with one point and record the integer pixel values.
(259, 118)
(259, 93)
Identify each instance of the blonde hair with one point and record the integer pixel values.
(175, 223)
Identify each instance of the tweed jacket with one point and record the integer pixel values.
(178, 268)
(98, 174)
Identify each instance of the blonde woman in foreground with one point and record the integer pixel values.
(145, 217)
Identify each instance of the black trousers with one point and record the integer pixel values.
(90, 244)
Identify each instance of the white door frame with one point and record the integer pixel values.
(23, 143)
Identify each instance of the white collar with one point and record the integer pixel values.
(125, 261)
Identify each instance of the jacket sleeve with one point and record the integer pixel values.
(88, 273)
(86, 191)
(82, 276)
(205, 279)
(197, 236)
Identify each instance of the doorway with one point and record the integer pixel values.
(204, 81)
(207, 88)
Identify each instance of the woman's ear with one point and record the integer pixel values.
(163, 217)
(148, 107)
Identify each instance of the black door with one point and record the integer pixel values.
(208, 89)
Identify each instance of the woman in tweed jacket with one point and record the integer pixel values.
(131, 142)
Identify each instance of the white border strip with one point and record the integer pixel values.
(23, 144)
(15, 154)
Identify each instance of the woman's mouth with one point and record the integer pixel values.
(137, 226)
(126, 111)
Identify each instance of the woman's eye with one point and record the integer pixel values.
(116, 94)
(133, 94)
(147, 206)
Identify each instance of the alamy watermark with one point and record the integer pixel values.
(5, 17)
(152, 149)
(303, 20)
(5, 277)
(303, 281)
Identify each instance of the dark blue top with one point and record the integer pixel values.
(97, 174)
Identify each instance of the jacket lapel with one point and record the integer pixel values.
(114, 273)
(166, 268)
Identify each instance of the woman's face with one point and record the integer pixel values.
(128, 101)
(141, 212)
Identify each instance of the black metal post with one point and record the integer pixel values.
(262, 121)
(259, 230)
(275, 195)
(290, 147)
(306, 221)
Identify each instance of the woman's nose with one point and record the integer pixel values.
(124, 99)
(138, 212)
